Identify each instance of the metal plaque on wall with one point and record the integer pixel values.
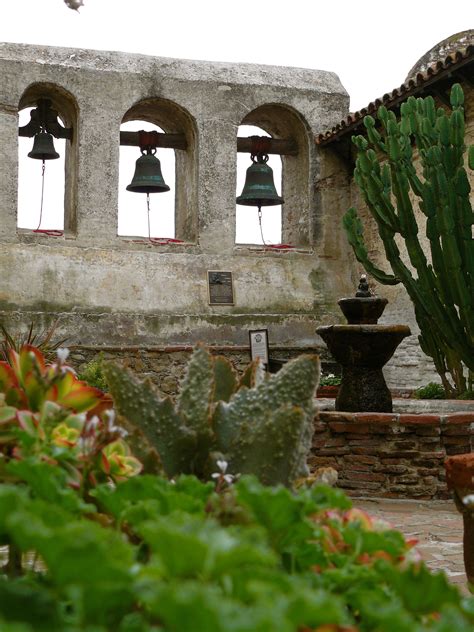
(221, 290)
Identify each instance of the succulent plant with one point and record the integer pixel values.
(440, 285)
(258, 425)
(47, 414)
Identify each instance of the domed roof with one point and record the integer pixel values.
(442, 50)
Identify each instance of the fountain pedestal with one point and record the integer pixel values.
(363, 348)
(362, 351)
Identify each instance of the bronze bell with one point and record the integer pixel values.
(148, 177)
(43, 147)
(259, 188)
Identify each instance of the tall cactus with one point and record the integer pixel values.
(440, 283)
(259, 426)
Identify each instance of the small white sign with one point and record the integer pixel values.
(259, 344)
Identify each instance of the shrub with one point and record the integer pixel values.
(466, 395)
(178, 556)
(93, 374)
(431, 391)
(330, 380)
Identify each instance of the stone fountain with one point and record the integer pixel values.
(362, 348)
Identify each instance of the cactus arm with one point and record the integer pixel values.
(355, 234)
(196, 394)
(155, 417)
(253, 374)
(194, 405)
(294, 384)
(471, 157)
(421, 293)
(271, 449)
(225, 379)
(250, 409)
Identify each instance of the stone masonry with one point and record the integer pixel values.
(114, 292)
(391, 455)
(121, 294)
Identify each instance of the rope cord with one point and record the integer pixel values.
(148, 214)
(260, 224)
(42, 195)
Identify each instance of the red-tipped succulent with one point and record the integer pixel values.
(47, 412)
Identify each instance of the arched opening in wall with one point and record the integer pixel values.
(46, 160)
(283, 123)
(135, 217)
(249, 229)
(172, 214)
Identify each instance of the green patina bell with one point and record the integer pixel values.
(259, 189)
(43, 147)
(148, 177)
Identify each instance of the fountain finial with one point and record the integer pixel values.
(363, 291)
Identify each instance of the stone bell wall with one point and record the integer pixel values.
(110, 291)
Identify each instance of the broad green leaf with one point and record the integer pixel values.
(421, 591)
(29, 602)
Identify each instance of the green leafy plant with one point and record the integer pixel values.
(469, 394)
(330, 380)
(256, 425)
(440, 285)
(176, 555)
(93, 374)
(431, 391)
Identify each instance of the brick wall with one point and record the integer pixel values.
(391, 455)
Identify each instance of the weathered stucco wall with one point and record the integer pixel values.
(112, 291)
(410, 367)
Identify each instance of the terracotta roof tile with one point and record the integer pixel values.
(433, 73)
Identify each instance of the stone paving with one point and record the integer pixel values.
(435, 524)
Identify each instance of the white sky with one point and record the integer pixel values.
(370, 44)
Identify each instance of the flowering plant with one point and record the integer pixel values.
(47, 414)
(330, 380)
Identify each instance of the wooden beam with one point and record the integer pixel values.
(169, 141)
(282, 147)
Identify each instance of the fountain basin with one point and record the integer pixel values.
(362, 310)
(362, 351)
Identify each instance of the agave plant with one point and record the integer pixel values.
(41, 340)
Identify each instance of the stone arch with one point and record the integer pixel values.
(282, 121)
(249, 229)
(67, 107)
(173, 119)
